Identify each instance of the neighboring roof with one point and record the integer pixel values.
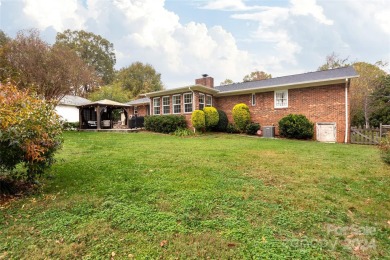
(70, 100)
(105, 102)
(139, 101)
(298, 79)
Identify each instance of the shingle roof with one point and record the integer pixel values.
(73, 100)
(317, 76)
(139, 101)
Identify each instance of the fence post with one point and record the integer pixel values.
(380, 130)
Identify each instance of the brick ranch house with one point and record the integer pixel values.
(322, 96)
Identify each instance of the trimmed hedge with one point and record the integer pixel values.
(252, 128)
(198, 120)
(211, 117)
(296, 127)
(164, 124)
(241, 116)
(222, 122)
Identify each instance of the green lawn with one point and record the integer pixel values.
(144, 195)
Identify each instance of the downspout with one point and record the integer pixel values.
(346, 111)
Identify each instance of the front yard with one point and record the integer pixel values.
(146, 195)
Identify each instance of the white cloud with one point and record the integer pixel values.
(230, 5)
(309, 7)
(59, 14)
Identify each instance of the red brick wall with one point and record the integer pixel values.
(142, 110)
(318, 104)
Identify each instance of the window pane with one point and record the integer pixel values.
(209, 101)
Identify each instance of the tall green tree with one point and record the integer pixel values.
(381, 103)
(113, 92)
(95, 50)
(257, 75)
(139, 78)
(50, 71)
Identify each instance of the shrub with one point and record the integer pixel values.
(222, 122)
(30, 132)
(241, 116)
(232, 129)
(198, 120)
(385, 148)
(183, 132)
(252, 128)
(164, 124)
(70, 126)
(296, 126)
(211, 117)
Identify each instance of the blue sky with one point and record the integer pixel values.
(223, 38)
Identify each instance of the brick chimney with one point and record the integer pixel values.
(205, 81)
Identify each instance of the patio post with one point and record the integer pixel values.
(98, 117)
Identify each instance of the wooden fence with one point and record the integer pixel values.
(368, 135)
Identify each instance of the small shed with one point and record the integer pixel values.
(67, 107)
(99, 114)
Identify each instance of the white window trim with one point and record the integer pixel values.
(156, 106)
(169, 105)
(204, 100)
(135, 110)
(253, 99)
(211, 98)
(281, 91)
(184, 102)
(173, 104)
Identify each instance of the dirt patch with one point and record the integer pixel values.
(11, 190)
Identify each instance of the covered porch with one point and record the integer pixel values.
(103, 114)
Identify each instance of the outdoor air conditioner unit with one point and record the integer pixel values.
(269, 131)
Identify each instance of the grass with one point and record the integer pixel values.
(145, 195)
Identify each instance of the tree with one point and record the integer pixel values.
(257, 75)
(381, 103)
(51, 71)
(3, 38)
(139, 78)
(362, 88)
(333, 61)
(226, 82)
(113, 92)
(93, 49)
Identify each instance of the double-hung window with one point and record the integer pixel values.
(156, 106)
(201, 101)
(281, 98)
(187, 102)
(209, 101)
(176, 103)
(166, 105)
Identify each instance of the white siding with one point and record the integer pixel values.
(68, 113)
